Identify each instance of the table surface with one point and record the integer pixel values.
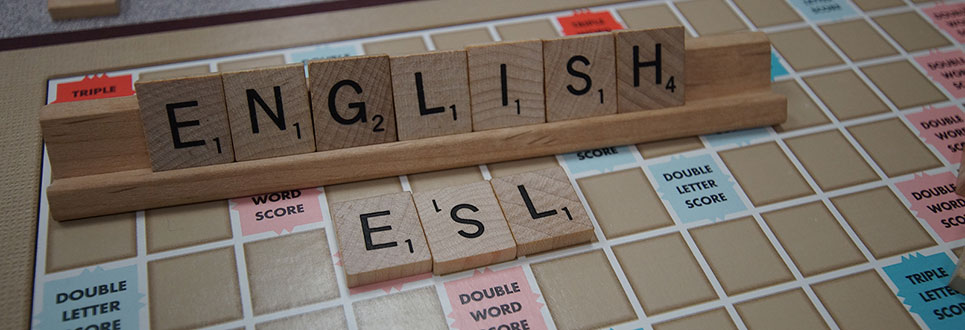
(35, 20)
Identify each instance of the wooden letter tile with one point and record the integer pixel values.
(185, 122)
(431, 94)
(650, 68)
(580, 77)
(543, 210)
(506, 84)
(68, 9)
(958, 278)
(380, 238)
(465, 227)
(352, 102)
(269, 112)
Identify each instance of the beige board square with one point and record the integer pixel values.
(194, 290)
(180, 226)
(911, 31)
(650, 68)
(664, 274)
(813, 238)
(668, 147)
(903, 84)
(845, 95)
(380, 238)
(895, 149)
(290, 271)
(332, 318)
(711, 17)
(465, 227)
(539, 29)
(801, 110)
(787, 310)
(543, 211)
(740, 255)
(581, 291)
(193, 109)
(713, 319)
(269, 112)
(352, 102)
(431, 92)
(858, 40)
(251, 63)
(803, 49)
(624, 202)
(362, 189)
(831, 160)
(649, 17)
(396, 47)
(174, 73)
(846, 299)
(765, 173)
(72, 244)
(959, 251)
(445, 178)
(411, 309)
(456, 40)
(506, 84)
(882, 222)
(508, 168)
(869, 5)
(580, 77)
(765, 13)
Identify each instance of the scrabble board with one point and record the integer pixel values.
(844, 217)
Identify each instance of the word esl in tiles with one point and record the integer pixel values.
(457, 228)
(356, 101)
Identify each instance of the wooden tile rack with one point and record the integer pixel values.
(100, 166)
